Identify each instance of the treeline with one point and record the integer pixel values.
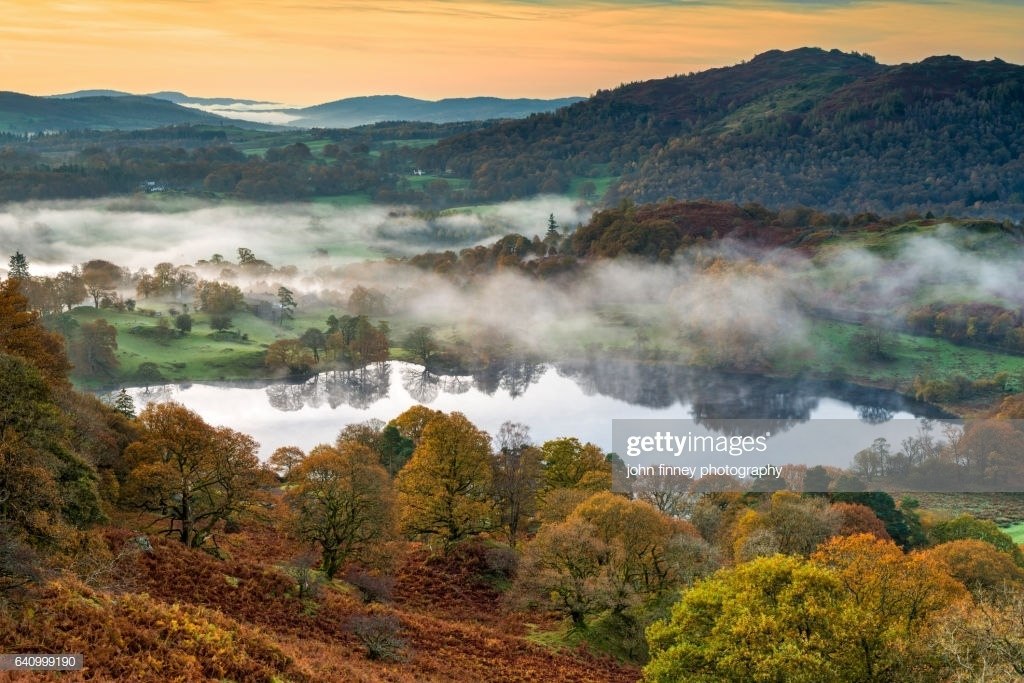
(970, 323)
(198, 160)
(660, 231)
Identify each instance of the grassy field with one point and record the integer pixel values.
(345, 201)
(835, 354)
(601, 185)
(199, 355)
(1016, 532)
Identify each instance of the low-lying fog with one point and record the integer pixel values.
(752, 300)
(140, 232)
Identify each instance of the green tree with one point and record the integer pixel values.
(421, 344)
(571, 464)
(286, 299)
(314, 340)
(343, 502)
(552, 233)
(124, 404)
(444, 490)
(968, 527)
(183, 323)
(772, 619)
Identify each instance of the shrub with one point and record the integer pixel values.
(379, 634)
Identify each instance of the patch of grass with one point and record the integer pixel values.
(345, 201)
(601, 185)
(419, 181)
(1016, 532)
(834, 354)
(195, 356)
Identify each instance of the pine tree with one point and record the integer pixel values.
(552, 228)
(287, 301)
(124, 404)
(18, 267)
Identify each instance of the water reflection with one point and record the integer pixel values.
(359, 388)
(716, 400)
(567, 399)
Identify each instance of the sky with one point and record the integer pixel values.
(305, 52)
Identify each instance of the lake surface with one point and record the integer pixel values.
(578, 399)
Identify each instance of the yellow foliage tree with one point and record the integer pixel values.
(444, 491)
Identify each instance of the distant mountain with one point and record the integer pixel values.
(358, 111)
(92, 93)
(168, 95)
(27, 114)
(182, 98)
(822, 128)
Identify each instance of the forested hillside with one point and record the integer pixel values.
(825, 129)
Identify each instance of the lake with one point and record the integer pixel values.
(578, 399)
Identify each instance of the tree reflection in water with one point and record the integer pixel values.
(358, 388)
(715, 400)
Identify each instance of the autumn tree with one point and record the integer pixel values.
(571, 464)
(22, 334)
(893, 602)
(772, 619)
(788, 523)
(284, 459)
(45, 485)
(444, 490)
(671, 495)
(978, 565)
(343, 502)
(564, 567)
(410, 424)
(367, 301)
(101, 278)
(218, 297)
(857, 610)
(93, 348)
(646, 547)
(517, 478)
(191, 475)
(289, 355)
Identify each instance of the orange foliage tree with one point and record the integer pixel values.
(190, 474)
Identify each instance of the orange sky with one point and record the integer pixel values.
(310, 51)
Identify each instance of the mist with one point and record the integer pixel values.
(140, 232)
(727, 302)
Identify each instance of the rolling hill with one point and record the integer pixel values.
(28, 114)
(358, 111)
(827, 129)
